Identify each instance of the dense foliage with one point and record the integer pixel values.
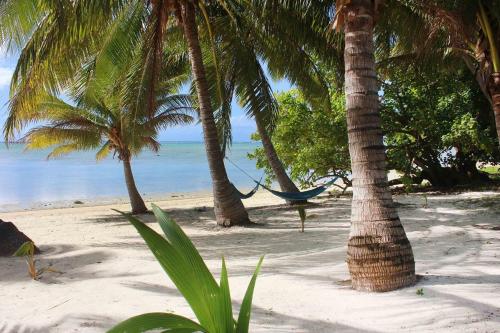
(437, 126)
(311, 142)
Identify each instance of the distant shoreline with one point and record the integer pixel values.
(30, 181)
(104, 201)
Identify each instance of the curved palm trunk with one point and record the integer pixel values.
(229, 209)
(138, 206)
(494, 87)
(284, 181)
(379, 255)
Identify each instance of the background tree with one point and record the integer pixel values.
(109, 111)
(56, 40)
(312, 143)
(441, 31)
(107, 127)
(437, 126)
(244, 51)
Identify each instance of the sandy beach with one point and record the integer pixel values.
(108, 274)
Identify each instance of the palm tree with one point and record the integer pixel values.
(242, 46)
(100, 122)
(234, 70)
(49, 53)
(111, 111)
(379, 255)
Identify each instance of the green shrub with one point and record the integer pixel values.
(210, 302)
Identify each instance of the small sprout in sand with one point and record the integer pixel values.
(420, 291)
(27, 250)
(426, 203)
(302, 214)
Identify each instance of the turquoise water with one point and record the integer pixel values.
(28, 178)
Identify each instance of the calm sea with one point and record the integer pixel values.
(28, 179)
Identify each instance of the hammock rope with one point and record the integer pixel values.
(246, 195)
(289, 196)
(301, 196)
(253, 191)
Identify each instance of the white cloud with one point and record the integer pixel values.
(5, 76)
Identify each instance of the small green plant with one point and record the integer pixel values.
(407, 184)
(27, 250)
(303, 217)
(420, 291)
(210, 302)
(426, 202)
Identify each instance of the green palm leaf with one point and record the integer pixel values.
(224, 305)
(210, 302)
(199, 291)
(166, 322)
(246, 305)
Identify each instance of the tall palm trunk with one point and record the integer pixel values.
(229, 209)
(379, 255)
(138, 206)
(494, 87)
(284, 181)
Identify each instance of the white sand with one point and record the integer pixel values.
(110, 275)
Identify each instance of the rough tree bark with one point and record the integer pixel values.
(284, 181)
(229, 209)
(379, 255)
(138, 206)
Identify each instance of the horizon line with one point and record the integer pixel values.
(162, 141)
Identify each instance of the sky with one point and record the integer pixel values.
(243, 127)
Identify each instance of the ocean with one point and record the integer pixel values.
(28, 179)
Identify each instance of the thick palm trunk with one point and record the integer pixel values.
(494, 87)
(284, 181)
(229, 209)
(138, 206)
(379, 255)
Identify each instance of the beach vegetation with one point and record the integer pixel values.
(438, 127)
(104, 115)
(311, 142)
(210, 301)
(27, 250)
(444, 34)
(71, 48)
(121, 30)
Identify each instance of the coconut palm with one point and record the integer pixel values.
(379, 255)
(109, 111)
(102, 123)
(243, 46)
(55, 40)
(234, 70)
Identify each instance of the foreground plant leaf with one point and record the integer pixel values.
(246, 305)
(181, 261)
(157, 321)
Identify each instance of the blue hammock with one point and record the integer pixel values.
(249, 194)
(300, 196)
